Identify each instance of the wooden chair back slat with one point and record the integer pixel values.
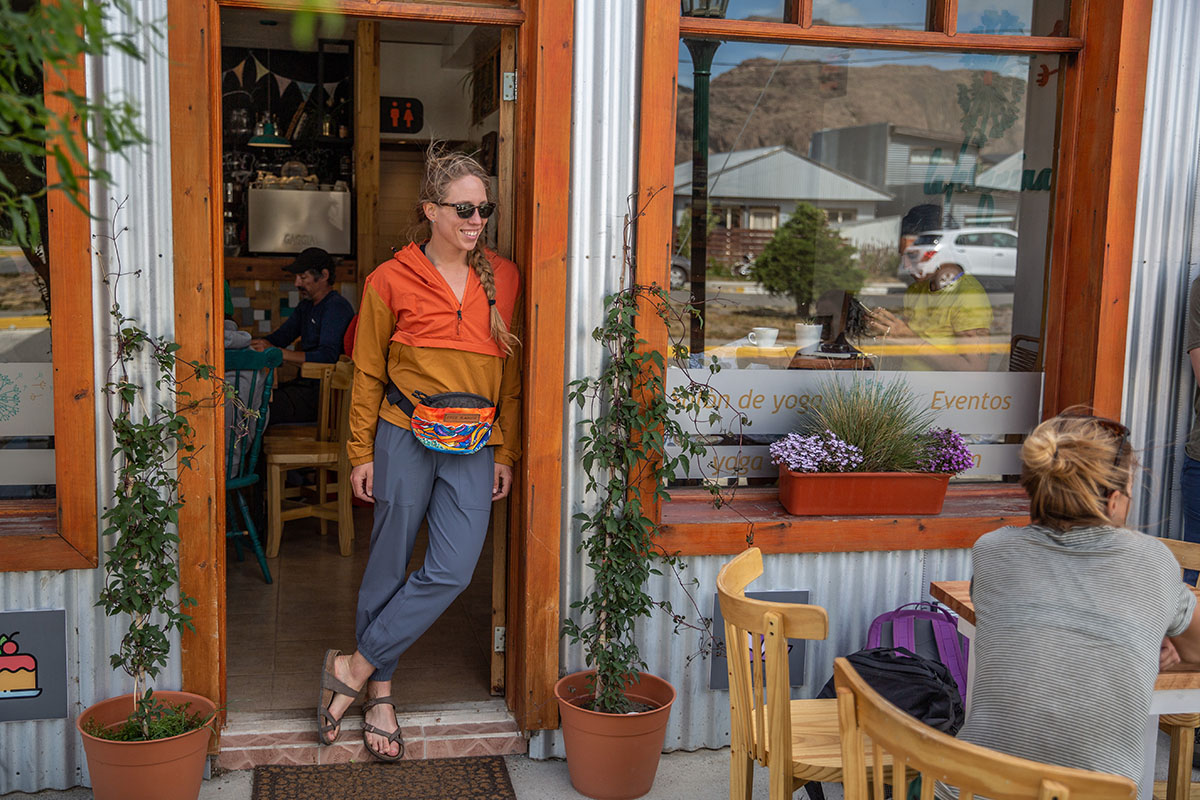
(936, 756)
(1186, 553)
(756, 634)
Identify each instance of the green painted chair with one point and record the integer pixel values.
(251, 375)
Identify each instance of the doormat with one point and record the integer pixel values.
(480, 778)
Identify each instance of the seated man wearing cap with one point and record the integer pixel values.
(319, 321)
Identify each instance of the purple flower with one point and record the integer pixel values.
(819, 452)
(945, 452)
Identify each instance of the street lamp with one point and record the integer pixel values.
(702, 51)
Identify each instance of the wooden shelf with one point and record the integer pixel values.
(691, 526)
(271, 268)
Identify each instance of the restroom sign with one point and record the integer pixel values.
(401, 115)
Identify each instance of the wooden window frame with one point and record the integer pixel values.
(61, 533)
(1104, 69)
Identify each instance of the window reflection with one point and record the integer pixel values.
(869, 210)
(763, 10)
(897, 14)
(26, 374)
(1013, 17)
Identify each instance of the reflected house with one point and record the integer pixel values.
(921, 168)
(753, 192)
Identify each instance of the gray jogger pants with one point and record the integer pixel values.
(413, 483)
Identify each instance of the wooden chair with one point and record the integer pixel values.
(797, 741)
(896, 737)
(1180, 727)
(1023, 353)
(326, 453)
(250, 375)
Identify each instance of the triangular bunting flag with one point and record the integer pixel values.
(283, 83)
(330, 88)
(239, 70)
(259, 69)
(305, 88)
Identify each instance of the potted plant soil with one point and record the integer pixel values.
(869, 449)
(147, 745)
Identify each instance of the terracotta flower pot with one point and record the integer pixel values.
(833, 494)
(162, 769)
(613, 756)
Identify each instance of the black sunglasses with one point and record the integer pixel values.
(465, 210)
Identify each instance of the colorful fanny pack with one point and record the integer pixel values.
(451, 422)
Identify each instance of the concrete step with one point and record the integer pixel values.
(468, 729)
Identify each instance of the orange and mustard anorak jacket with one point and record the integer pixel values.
(413, 330)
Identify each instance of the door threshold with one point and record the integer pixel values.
(444, 730)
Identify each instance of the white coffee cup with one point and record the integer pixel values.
(807, 336)
(763, 337)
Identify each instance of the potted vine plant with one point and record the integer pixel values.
(150, 744)
(614, 714)
(80, 132)
(868, 449)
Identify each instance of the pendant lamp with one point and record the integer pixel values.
(268, 136)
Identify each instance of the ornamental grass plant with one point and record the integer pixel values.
(867, 425)
(882, 419)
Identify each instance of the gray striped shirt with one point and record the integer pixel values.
(1068, 629)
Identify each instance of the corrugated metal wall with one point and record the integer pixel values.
(1158, 378)
(604, 153)
(47, 754)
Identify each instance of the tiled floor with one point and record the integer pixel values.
(278, 633)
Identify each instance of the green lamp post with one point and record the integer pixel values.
(702, 51)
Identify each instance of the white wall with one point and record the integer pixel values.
(415, 70)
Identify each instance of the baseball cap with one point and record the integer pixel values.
(312, 258)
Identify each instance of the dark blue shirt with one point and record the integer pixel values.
(320, 327)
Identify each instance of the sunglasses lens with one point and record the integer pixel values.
(465, 210)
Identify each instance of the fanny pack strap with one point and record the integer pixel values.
(399, 399)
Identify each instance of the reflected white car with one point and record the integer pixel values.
(983, 252)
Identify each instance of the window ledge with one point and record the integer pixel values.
(692, 527)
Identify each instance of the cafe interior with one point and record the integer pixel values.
(293, 139)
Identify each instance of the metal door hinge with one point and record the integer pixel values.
(498, 640)
(508, 86)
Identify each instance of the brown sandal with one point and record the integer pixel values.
(330, 686)
(393, 736)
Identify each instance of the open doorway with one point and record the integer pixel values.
(335, 133)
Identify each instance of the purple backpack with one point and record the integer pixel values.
(908, 627)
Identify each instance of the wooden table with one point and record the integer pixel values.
(1176, 691)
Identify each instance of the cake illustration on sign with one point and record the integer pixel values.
(18, 672)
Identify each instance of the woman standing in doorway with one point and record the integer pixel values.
(434, 433)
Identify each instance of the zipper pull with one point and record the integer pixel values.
(458, 324)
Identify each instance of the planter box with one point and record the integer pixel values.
(833, 494)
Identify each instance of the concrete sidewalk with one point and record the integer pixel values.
(701, 775)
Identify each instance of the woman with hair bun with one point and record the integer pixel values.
(434, 433)
(1072, 610)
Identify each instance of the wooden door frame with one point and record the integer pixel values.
(542, 158)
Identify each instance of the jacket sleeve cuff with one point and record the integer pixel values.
(505, 457)
(357, 460)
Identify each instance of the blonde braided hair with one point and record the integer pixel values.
(442, 167)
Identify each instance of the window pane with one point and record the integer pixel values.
(898, 200)
(901, 14)
(766, 10)
(26, 374)
(1013, 17)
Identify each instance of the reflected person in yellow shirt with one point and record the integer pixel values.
(944, 325)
